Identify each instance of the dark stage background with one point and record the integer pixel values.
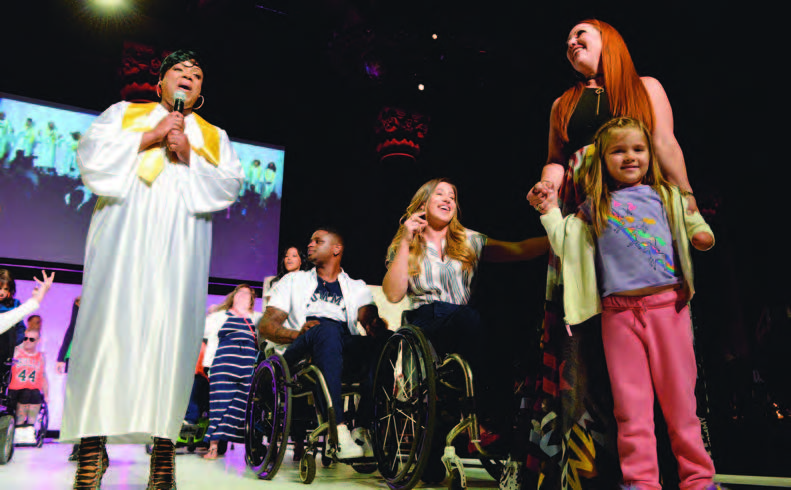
(294, 74)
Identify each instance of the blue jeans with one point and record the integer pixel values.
(458, 329)
(335, 351)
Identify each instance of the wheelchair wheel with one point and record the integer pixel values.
(268, 418)
(42, 422)
(454, 482)
(404, 408)
(364, 468)
(307, 468)
(7, 427)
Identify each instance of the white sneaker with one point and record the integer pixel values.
(347, 447)
(363, 438)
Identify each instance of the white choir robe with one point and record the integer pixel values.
(141, 317)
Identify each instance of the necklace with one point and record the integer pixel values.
(599, 91)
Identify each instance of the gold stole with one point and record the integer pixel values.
(153, 159)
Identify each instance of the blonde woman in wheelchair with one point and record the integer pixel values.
(433, 260)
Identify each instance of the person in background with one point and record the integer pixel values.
(6, 139)
(64, 353)
(315, 313)
(231, 352)
(7, 303)
(27, 139)
(292, 260)
(29, 387)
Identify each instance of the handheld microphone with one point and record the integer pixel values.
(178, 100)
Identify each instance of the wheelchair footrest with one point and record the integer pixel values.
(451, 461)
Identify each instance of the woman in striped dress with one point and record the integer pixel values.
(231, 350)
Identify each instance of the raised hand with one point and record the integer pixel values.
(42, 286)
(415, 225)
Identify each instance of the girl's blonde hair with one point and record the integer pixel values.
(228, 302)
(456, 245)
(597, 181)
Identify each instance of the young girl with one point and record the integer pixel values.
(625, 254)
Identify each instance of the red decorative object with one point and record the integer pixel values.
(139, 71)
(400, 133)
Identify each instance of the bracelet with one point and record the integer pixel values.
(686, 193)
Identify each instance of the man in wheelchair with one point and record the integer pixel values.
(316, 313)
(28, 387)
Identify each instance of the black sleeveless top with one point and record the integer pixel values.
(591, 112)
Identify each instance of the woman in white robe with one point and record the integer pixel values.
(159, 175)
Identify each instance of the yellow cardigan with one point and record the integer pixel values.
(574, 242)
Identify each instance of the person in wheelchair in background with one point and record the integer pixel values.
(29, 387)
(433, 260)
(316, 313)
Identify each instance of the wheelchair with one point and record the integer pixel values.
(7, 416)
(40, 426)
(409, 380)
(277, 402)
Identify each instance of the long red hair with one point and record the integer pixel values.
(625, 91)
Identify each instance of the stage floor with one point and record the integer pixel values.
(47, 468)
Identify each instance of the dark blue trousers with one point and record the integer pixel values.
(335, 351)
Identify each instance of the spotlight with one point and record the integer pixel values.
(420, 86)
(109, 3)
(434, 36)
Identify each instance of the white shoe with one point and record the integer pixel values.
(363, 438)
(347, 447)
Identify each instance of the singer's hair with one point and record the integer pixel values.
(177, 57)
(626, 93)
(457, 246)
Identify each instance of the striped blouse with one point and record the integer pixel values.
(443, 280)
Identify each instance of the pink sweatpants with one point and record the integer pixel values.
(648, 346)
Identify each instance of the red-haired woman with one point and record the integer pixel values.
(608, 87)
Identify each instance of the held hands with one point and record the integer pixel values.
(42, 286)
(543, 196)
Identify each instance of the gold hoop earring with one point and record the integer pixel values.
(202, 100)
(158, 90)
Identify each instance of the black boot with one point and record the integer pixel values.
(90, 464)
(162, 475)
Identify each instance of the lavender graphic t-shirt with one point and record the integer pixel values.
(636, 249)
